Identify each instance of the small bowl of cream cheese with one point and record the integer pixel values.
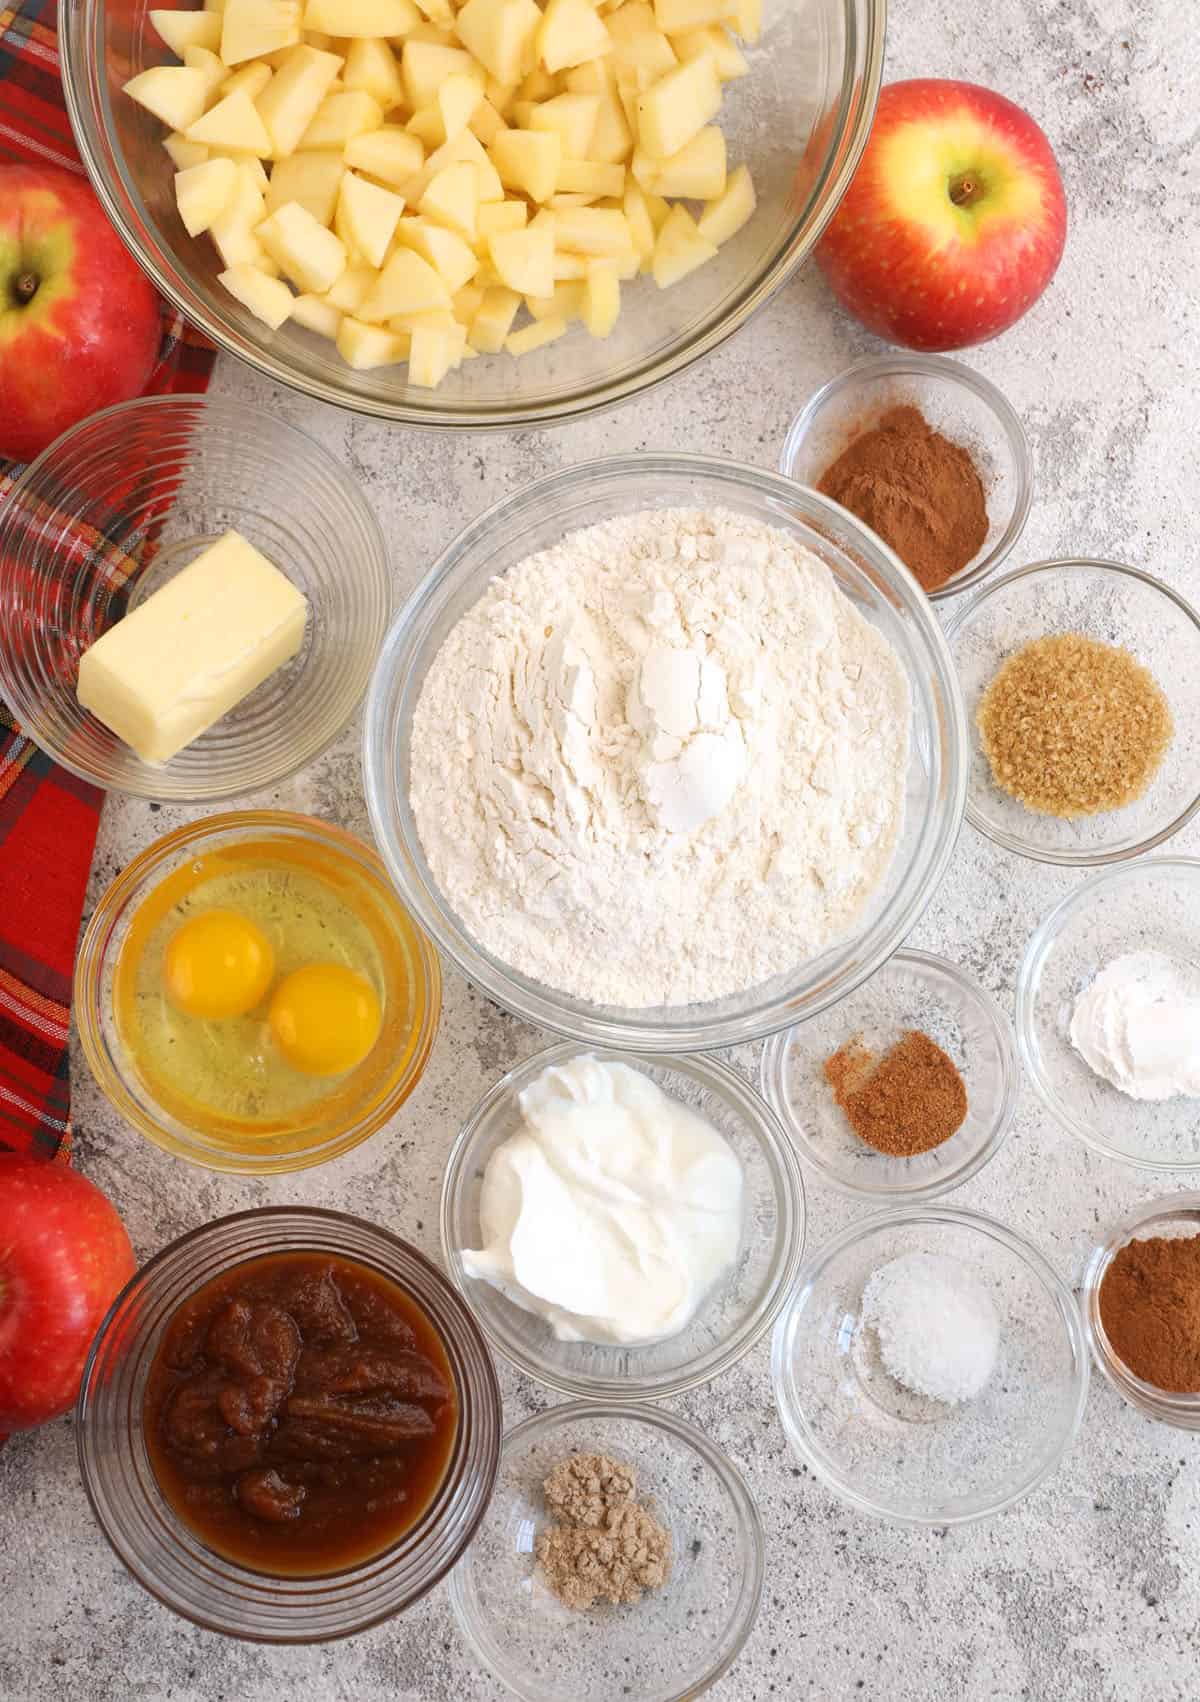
(1108, 1012)
(623, 1226)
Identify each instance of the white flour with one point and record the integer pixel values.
(662, 761)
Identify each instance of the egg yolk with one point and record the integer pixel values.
(325, 1018)
(218, 964)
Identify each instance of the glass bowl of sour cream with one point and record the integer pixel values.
(1108, 1012)
(623, 1227)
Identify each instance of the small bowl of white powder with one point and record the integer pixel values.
(930, 1367)
(623, 1227)
(1108, 1012)
(666, 753)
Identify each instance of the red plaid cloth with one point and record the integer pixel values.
(48, 819)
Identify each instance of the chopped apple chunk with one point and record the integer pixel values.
(267, 298)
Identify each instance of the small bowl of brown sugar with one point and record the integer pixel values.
(903, 1090)
(925, 452)
(621, 1554)
(1140, 1299)
(1079, 678)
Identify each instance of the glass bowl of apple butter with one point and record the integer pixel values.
(289, 1425)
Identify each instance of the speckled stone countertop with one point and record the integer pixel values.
(1090, 1590)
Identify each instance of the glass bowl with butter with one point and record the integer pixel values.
(623, 1227)
(251, 995)
(271, 638)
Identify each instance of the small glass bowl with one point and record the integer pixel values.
(731, 1319)
(371, 1095)
(912, 990)
(899, 1455)
(1149, 906)
(672, 1645)
(1116, 605)
(961, 404)
(113, 509)
(162, 1553)
(1174, 1218)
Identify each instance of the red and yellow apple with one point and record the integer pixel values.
(79, 324)
(954, 222)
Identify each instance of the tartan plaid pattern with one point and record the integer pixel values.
(48, 818)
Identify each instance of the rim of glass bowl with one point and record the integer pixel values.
(781, 1159)
(1041, 943)
(82, 50)
(236, 422)
(912, 365)
(541, 1426)
(792, 1417)
(119, 1481)
(1180, 1410)
(1041, 854)
(88, 994)
(774, 1062)
(392, 696)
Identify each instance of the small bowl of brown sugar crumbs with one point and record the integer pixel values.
(928, 454)
(1079, 684)
(902, 1091)
(622, 1553)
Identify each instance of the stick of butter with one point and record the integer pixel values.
(163, 675)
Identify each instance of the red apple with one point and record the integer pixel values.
(954, 222)
(64, 1258)
(79, 324)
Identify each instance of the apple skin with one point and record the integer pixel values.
(64, 1258)
(89, 335)
(914, 265)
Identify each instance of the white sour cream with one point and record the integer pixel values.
(613, 1212)
(1137, 1025)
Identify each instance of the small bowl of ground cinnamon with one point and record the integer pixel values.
(903, 1090)
(1078, 681)
(925, 452)
(1140, 1299)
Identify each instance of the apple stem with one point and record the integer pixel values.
(25, 287)
(964, 191)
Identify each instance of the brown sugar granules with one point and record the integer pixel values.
(1150, 1309)
(920, 492)
(909, 1101)
(607, 1547)
(1071, 726)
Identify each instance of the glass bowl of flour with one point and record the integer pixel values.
(666, 753)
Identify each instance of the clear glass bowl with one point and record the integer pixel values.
(800, 119)
(114, 509)
(902, 1456)
(161, 1552)
(1115, 605)
(863, 570)
(672, 1645)
(1175, 1217)
(960, 403)
(733, 1317)
(360, 1104)
(912, 990)
(1148, 906)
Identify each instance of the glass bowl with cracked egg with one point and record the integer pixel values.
(899, 1408)
(799, 118)
(931, 788)
(734, 1312)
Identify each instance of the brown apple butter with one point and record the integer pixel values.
(299, 1413)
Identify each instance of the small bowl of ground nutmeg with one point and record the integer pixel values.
(925, 452)
(903, 1090)
(1141, 1309)
(1078, 680)
(622, 1554)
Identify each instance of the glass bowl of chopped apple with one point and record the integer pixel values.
(487, 215)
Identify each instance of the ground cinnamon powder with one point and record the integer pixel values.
(1150, 1309)
(919, 491)
(909, 1101)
